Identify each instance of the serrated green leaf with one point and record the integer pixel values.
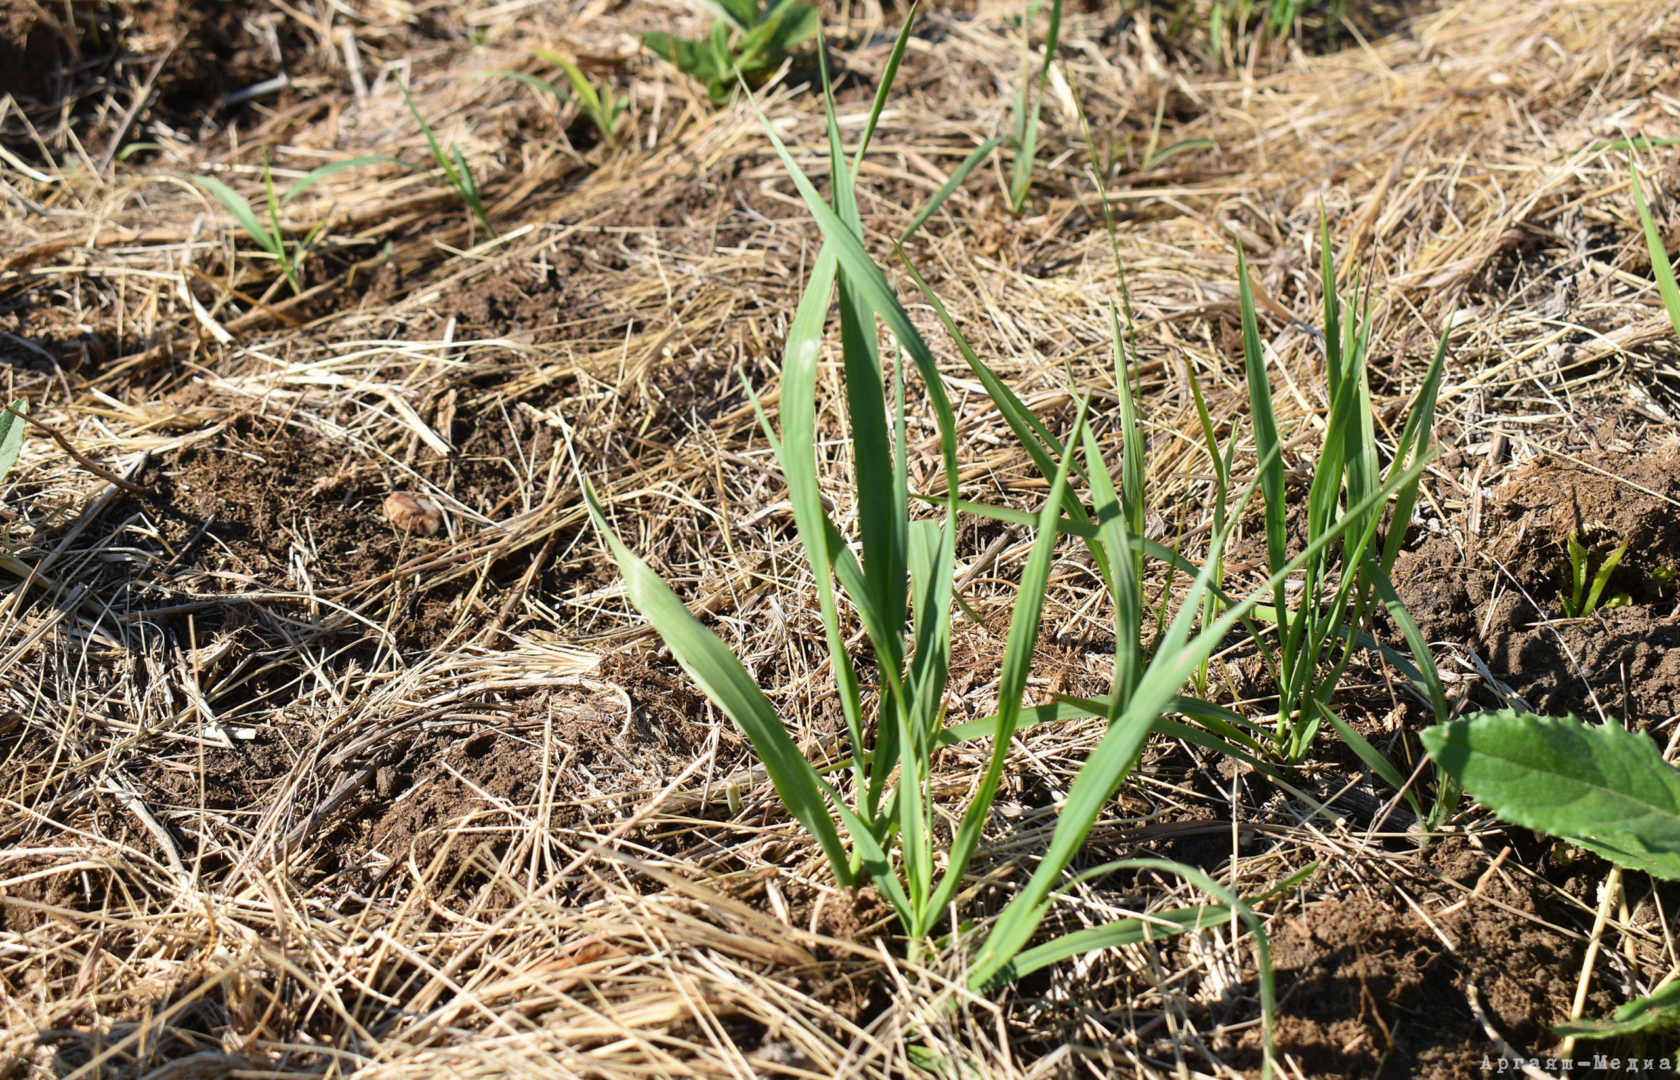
(743, 13)
(1600, 787)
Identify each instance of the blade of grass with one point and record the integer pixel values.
(888, 74)
(796, 454)
(12, 427)
(950, 185)
(1012, 679)
(873, 289)
(333, 168)
(1267, 445)
(1028, 101)
(1414, 440)
(242, 213)
(1115, 533)
(1107, 766)
(881, 527)
(1661, 268)
(717, 672)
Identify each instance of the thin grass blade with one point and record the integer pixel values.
(1661, 268)
(888, 74)
(715, 669)
(242, 213)
(1115, 533)
(796, 454)
(315, 176)
(1012, 680)
(12, 427)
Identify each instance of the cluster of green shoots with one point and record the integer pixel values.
(267, 230)
(1586, 585)
(453, 166)
(873, 813)
(1318, 633)
(1229, 18)
(748, 42)
(603, 108)
(270, 234)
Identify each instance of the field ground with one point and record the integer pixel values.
(289, 792)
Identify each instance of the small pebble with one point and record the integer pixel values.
(412, 513)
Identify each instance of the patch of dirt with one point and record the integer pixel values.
(218, 48)
(581, 741)
(1507, 603)
(31, 50)
(276, 506)
(1366, 988)
(273, 508)
(121, 70)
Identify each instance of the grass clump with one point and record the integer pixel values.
(873, 813)
(748, 41)
(1341, 587)
(1324, 597)
(602, 106)
(1229, 21)
(1586, 585)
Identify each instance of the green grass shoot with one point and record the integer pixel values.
(453, 165)
(601, 106)
(267, 230)
(12, 426)
(1029, 100)
(1586, 585)
(1661, 268)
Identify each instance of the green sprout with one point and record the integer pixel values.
(602, 107)
(12, 425)
(454, 166)
(1586, 586)
(268, 231)
(1280, 17)
(746, 43)
(1029, 99)
(1661, 268)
